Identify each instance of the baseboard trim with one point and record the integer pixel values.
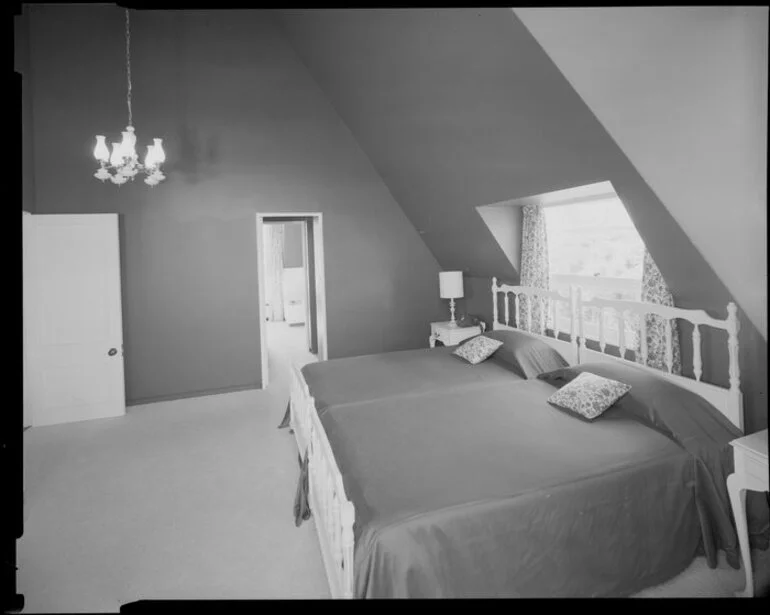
(161, 398)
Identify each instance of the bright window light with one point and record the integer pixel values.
(595, 245)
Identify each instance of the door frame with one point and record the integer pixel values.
(315, 226)
(308, 308)
(26, 237)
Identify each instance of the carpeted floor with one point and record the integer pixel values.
(192, 499)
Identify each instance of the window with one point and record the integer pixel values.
(592, 243)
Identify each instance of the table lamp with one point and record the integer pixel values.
(451, 287)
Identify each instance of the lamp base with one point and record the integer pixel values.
(452, 321)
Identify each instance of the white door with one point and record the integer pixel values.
(73, 318)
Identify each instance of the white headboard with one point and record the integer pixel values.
(568, 349)
(728, 401)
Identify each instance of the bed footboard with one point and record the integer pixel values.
(301, 406)
(333, 513)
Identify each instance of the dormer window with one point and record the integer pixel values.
(592, 243)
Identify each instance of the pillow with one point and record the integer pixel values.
(524, 354)
(477, 349)
(588, 396)
(655, 401)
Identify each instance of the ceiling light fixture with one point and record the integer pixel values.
(123, 164)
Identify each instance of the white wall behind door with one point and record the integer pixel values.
(294, 298)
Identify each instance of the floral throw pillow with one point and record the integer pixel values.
(477, 349)
(589, 395)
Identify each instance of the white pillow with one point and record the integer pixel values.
(477, 349)
(589, 396)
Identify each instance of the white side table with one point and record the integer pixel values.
(750, 455)
(449, 336)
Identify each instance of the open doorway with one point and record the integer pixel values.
(292, 303)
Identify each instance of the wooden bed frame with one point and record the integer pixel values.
(728, 401)
(548, 300)
(334, 513)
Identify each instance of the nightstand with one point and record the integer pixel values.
(750, 455)
(449, 336)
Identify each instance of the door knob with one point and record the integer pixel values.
(112, 352)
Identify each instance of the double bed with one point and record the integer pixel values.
(430, 477)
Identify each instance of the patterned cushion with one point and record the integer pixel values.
(589, 395)
(477, 349)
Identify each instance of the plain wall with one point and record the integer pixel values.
(245, 130)
(684, 94)
(468, 110)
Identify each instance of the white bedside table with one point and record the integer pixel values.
(449, 336)
(750, 455)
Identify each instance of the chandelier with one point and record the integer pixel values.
(123, 164)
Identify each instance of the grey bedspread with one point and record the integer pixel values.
(491, 492)
(378, 376)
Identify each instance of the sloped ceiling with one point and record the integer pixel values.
(460, 108)
(442, 101)
(683, 91)
(504, 221)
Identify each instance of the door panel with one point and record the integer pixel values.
(74, 319)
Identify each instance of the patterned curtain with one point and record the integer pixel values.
(655, 290)
(534, 265)
(273, 236)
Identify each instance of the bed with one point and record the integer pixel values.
(318, 386)
(468, 495)
(485, 490)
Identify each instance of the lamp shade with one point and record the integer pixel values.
(101, 151)
(128, 145)
(117, 156)
(158, 154)
(149, 159)
(450, 284)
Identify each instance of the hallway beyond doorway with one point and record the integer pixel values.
(293, 294)
(287, 344)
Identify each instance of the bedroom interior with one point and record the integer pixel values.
(319, 186)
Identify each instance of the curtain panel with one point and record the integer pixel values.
(534, 266)
(655, 290)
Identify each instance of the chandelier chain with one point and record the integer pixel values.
(128, 67)
(123, 165)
